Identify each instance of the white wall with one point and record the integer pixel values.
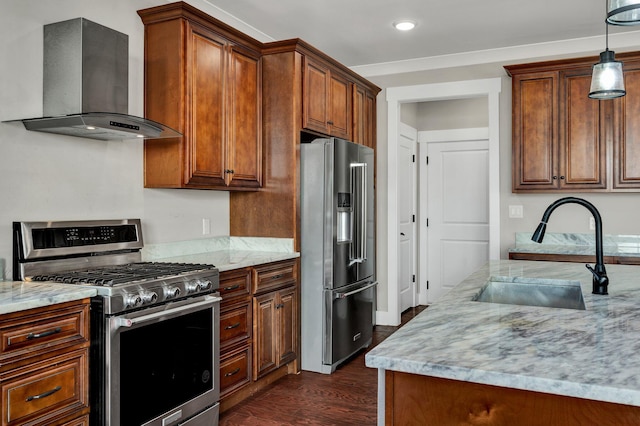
(53, 177)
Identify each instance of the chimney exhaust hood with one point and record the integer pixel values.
(86, 85)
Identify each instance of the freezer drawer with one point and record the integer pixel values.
(350, 314)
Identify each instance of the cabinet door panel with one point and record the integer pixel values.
(583, 148)
(340, 107)
(287, 324)
(315, 91)
(534, 131)
(244, 136)
(626, 164)
(264, 333)
(206, 150)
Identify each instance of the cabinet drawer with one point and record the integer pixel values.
(53, 388)
(235, 324)
(235, 370)
(41, 330)
(80, 421)
(235, 283)
(274, 275)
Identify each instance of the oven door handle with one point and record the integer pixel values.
(130, 322)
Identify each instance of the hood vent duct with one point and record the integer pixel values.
(86, 85)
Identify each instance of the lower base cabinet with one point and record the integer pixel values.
(274, 330)
(422, 400)
(44, 374)
(259, 329)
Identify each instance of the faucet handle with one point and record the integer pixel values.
(600, 279)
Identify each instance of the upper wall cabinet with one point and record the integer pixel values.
(203, 78)
(364, 116)
(565, 141)
(327, 97)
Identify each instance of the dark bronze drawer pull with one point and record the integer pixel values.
(233, 287)
(231, 373)
(280, 305)
(44, 394)
(275, 277)
(32, 336)
(229, 327)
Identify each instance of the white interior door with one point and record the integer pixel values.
(407, 143)
(456, 187)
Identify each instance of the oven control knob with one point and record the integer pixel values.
(193, 286)
(148, 297)
(132, 300)
(205, 284)
(171, 292)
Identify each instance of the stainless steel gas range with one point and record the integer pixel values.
(154, 326)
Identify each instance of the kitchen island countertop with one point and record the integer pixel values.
(592, 353)
(20, 295)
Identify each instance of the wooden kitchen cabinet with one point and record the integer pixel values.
(327, 97)
(412, 399)
(44, 375)
(626, 136)
(259, 329)
(565, 141)
(275, 322)
(236, 332)
(202, 78)
(364, 119)
(275, 316)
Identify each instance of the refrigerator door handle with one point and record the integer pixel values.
(361, 228)
(351, 293)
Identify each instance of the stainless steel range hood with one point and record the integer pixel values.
(86, 85)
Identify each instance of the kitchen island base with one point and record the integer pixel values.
(411, 399)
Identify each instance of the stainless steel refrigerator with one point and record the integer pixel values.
(337, 252)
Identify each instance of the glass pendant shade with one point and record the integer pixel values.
(607, 80)
(623, 12)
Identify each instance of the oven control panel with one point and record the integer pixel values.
(164, 291)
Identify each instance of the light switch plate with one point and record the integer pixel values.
(516, 212)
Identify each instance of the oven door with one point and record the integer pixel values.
(163, 363)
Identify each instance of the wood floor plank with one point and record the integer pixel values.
(346, 397)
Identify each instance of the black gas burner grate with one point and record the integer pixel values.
(110, 276)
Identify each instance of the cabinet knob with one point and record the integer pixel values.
(561, 177)
(230, 171)
(555, 177)
(330, 123)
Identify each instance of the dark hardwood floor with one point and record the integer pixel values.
(346, 397)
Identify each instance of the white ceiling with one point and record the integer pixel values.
(359, 32)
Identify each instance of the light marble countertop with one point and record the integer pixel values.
(592, 354)
(19, 295)
(578, 244)
(226, 260)
(225, 253)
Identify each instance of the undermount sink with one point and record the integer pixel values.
(532, 292)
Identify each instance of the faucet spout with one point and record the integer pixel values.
(600, 279)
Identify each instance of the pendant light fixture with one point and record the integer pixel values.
(607, 80)
(623, 12)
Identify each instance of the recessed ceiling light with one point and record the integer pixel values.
(404, 25)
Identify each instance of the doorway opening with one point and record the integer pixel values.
(489, 88)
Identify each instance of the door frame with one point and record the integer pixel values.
(396, 96)
(405, 129)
